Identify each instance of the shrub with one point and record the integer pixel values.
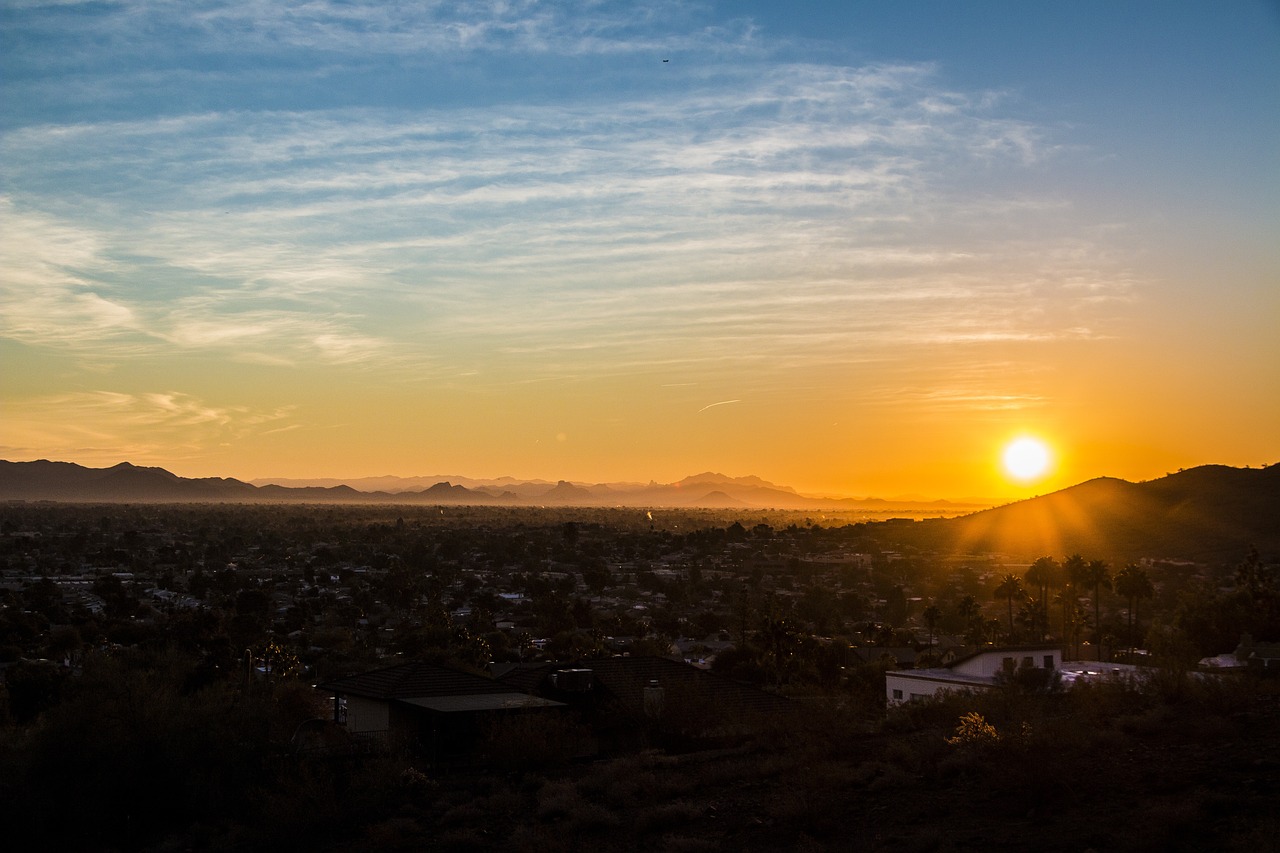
(974, 730)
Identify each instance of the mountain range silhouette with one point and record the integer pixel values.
(128, 483)
(1208, 512)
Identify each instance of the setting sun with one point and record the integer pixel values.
(1027, 459)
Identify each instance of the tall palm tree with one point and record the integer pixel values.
(1009, 588)
(932, 614)
(1134, 584)
(1044, 573)
(1097, 574)
(970, 610)
(1030, 617)
(1072, 576)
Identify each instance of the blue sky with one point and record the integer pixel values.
(343, 238)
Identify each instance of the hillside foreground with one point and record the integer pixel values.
(1177, 764)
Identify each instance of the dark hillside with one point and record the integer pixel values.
(56, 481)
(1208, 513)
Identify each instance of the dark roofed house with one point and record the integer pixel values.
(440, 712)
(626, 699)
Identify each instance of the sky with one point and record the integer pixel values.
(855, 248)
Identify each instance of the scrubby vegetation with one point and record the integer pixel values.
(139, 754)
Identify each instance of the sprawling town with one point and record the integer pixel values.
(460, 642)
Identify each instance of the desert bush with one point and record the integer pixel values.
(562, 803)
(535, 738)
(544, 838)
(464, 840)
(557, 800)
(936, 712)
(463, 814)
(394, 833)
(638, 779)
(891, 778)
(972, 731)
(665, 817)
(684, 844)
(137, 754)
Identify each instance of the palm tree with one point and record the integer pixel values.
(1074, 620)
(1073, 570)
(932, 614)
(1134, 584)
(1029, 618)
(1010, 587)
(1072, 576)
(970, 610)
(1044, 573)
(1097, 574)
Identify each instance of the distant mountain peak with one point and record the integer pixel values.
(565, 491)
(711, 477)
(720, 500)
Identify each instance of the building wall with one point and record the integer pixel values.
(903, 687)
(367, 715)
(899, 688)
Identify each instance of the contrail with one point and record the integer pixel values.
(713, 405)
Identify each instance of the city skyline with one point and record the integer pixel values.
(851, 250)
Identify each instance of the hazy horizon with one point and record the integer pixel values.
(747, 491)
(850, 250)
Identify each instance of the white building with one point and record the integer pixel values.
(978, 671)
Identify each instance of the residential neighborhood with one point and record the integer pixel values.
(430, 653)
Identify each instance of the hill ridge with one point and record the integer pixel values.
(126, 482)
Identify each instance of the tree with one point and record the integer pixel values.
(895, 607)
(1134, 584)
(1029, 618)
(1073, 568)
(1096, 575)
(33, 687)
(1044, 573)
(932, 614)
(1009, 588)
(970, 610)
(1258, 592)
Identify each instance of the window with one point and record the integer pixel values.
(1007, 663)
(1028, 662)
(1048, 661)
(897, 694)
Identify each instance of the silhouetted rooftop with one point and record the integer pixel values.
(414, 680)
(625, 679)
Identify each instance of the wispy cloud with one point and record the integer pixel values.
(110, 426)
(67, 285)
(388, 26)
(743, 221)
(798, 208)
(714, 405)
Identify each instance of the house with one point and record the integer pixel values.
(628, 699)
(1262, 658)
(439, 712)
(1092, 671)
(980, 670)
